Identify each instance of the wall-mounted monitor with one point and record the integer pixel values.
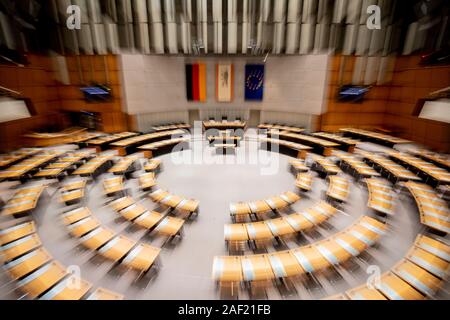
(352, 93)
(96, 93)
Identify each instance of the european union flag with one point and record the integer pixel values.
(254, 82)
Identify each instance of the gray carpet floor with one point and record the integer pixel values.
(216, 181)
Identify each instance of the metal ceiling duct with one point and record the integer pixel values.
(321, 37)
(263, 18)
(353, 11)
(217, 21)
(186, 21)
(363, 40)
(307, 38)
(202, 25)
(111, 34)
(156, 25)
(351, 33)
(293, 26)
(232, 26)
(340, 11)
(171, 26)
(279, 22)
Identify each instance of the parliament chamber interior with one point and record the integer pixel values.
(224, 150)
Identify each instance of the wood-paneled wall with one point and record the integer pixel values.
(35, 82)
(86, 70)
(410, 83)
(369, 113)
(392, 105)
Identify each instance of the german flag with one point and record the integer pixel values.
(196, 82)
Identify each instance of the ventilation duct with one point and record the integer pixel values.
(156, 25)
(232, 26)
(202, 25)
(217, 21)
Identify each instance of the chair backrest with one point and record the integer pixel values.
(212, 118)
(224, 118)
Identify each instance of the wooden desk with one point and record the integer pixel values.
(434, 211)
(121, 203)
(297, 147)
(100, 143)
(66, 290)
(258, 231)
(117, 248)
(188, 205)
(439, 175)
(113, 185)
(97, 238)
(147, 181)
(74, 185)
(161, 144)
(440, 160)
(360, 168)
(310, 259)
(364, 293)
(169, 226)
(298, 165)
(304, 181)
(16, 232)
(83, 227)
(42, 279)
(381, 196)
(374, 136)
(71, 196)
(333, 252)
(256, 268)
(124, 165)
(338, 188)
(22, 168)
(172, 127)
(281, 127)
(172, 201)
(76, 215)
(159, 195)
(346, 143)
(429, 262)
(89, 168)
(284, 264)
(141, 257)
(395, 288)
(235, 232)
(279, 227)
(224, 125)
(277, 203)
(19, 247)
(28, 263)
(259, 207)
(290, 197)
(433, 246)
(394, 171)
(325, 147)
(132, 212)
(417, 277)
(9, 159)
(103, 294)
(240, 210)
(51, 139)
(149, 219)
(227, 269)
(152, 165)
(326, 165)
